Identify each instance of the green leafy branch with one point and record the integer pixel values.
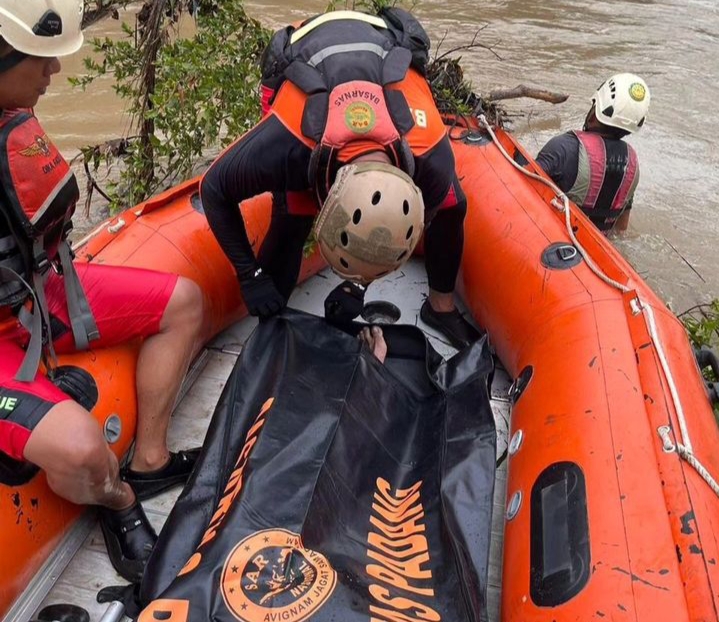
(702, 325)
(185, 95)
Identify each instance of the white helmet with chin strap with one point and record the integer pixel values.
(622, 102)
(45, 28)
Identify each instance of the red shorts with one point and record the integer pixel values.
(126, 302)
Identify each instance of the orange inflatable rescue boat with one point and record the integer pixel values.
(169, 233)
(612, 502)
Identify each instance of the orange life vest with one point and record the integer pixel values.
(343, 64)
(38, 193)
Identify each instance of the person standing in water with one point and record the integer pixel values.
(594, 166)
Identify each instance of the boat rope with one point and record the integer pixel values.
(665, 433)
(652, 325)
(699, 467)
(561, 202)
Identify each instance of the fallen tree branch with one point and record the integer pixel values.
(473, 44)
(527, 91)
(115, 148)
(101, 9)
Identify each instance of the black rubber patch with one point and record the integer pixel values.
(561, 256)
(559, 549)
(77, 383)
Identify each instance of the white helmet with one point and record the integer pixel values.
(42, 27)
(622, 102)
(371, 221)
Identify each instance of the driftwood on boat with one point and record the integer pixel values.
(522, 90)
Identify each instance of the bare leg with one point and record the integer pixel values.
(442, 303)
(161, 366)
(373, 338)
(69, 446)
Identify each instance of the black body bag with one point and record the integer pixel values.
(333, 487)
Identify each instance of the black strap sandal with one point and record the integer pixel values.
(129, 538)
(147, 484)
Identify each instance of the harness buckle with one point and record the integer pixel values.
(42, 263)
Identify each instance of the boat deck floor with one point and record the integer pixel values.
(76, 577)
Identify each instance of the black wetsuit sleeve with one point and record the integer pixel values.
(559, 158)
(268, 158)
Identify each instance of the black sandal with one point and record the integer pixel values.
(147, 484)
(129, 538)
(451, 324)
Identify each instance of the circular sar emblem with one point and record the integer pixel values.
(271, 576)
(360, 117)
(637, 92)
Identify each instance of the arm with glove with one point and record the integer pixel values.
(258, 289)
(257, 163)
(260, 293)
(345, 302)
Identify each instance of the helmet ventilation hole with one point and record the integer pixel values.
(405, 207)
(376, 197)
(344, 238)
(609, 112)
(410, 231)
(344, 263)
(357, 216)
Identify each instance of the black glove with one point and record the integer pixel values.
(260, 294)
(344, 303)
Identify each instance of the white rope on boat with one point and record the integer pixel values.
(561, 202)
(699, 467)
(652, 325)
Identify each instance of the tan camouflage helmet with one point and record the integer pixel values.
(371, 221)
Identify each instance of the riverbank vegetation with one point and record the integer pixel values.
(184, 93)
(702, 325)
